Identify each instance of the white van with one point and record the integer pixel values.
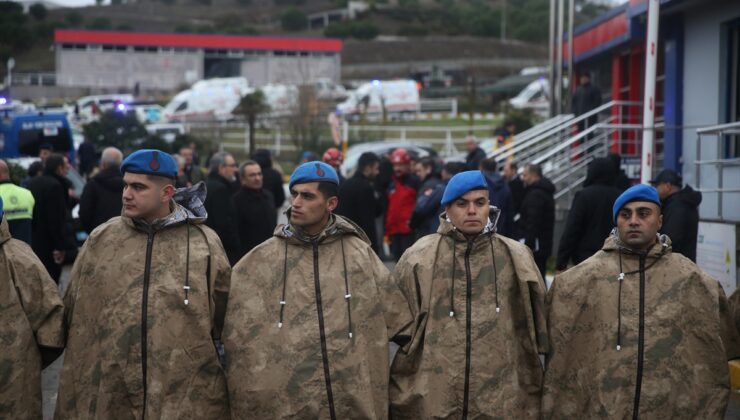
(208, 99)
(398, 97)
(90, 107)
(536, 96)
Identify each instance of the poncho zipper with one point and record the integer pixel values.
(468, 328)
(320, 310)
(144, 304)
(640, 341)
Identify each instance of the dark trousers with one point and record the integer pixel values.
(541, 260)
(400, 243)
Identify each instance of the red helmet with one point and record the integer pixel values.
(400, 157)
(333, 156)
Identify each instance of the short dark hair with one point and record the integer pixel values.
(488, 165)
(454, 168)
(367, 159)
(534, 169)
(245, 164)
(513, 165)
(36, 168)
(53, 162)
(328, 189)
(428, 162)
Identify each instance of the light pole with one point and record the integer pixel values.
(648, 106)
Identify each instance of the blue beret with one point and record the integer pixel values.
(313, 172)
(640, 192)
(150, 162)
(461, 184)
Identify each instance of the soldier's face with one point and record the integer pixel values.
(637, 223)
(146, 198)
(309, 208)
(469, 213)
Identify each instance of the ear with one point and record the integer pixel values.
(167, 193)
(332, 203)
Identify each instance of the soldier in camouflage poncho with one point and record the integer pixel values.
(146, 299)
(637, 330)
(31, 333)
(309, 316)
(478, 301)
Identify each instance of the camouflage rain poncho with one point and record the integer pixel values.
(298, 359)
(678, 369)
(118, 367)
(476, 355)
(31, 318)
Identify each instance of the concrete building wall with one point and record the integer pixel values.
(296, 69)
(703, 103)
(123, 69)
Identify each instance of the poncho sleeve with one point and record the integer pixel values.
(728, 328)
(398, 314)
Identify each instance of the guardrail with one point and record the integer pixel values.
(725, 159)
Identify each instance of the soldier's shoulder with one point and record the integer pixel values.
(513, 245)
(421, 249)
(266, 253)
(596, 266)
(20, 253)
(113, 226)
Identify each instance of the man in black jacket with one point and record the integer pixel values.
(590, 216)
(499, 195)
(101, 198)
(424, 219)
(680, 212)
(357, 197)
(475, 153)
(516, 186)
(50, 214)
(254, 207)
(220, 188)
(586, 98)
(537, 215)
(271, 179)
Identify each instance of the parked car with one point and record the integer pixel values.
(416, 149)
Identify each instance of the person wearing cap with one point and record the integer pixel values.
(310, 315)
(31, 326)
(401, 203)
(478, 303)
(637, 330)
(145, 306)
(680, 212)
(333, 157)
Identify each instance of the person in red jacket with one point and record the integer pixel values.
(401, 203)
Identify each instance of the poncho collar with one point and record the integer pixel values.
(334, 229)
(186, 205)
(446, 228)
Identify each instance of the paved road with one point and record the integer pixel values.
(50, 376)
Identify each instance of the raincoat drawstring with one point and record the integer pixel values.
(285, 274)
(347, 294)
(452, 282)
(620, 278)
(186, 287)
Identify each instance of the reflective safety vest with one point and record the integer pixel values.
(18, 202)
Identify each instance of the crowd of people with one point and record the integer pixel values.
(190, 301)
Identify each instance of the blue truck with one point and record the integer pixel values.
(22, 134)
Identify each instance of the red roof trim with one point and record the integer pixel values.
(606, 31)
(196, 41)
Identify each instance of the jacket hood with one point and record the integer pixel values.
(613, 244)
(187, 206)
(110, 179)
(495, 181)
(446, 228)
(335, 229)
(4, 231)
(543, 184)
(600, 171)
(687, 195)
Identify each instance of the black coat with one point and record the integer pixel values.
(101, 199)
(473, 159)
(681, 221)
(499, 195)
(255, 216)
(49, 219)
(516, 186)
(537, 217)
(586, 98)
(425, 218)
(590, 217)
(272, 181)
(221, 214)
(358, 203)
